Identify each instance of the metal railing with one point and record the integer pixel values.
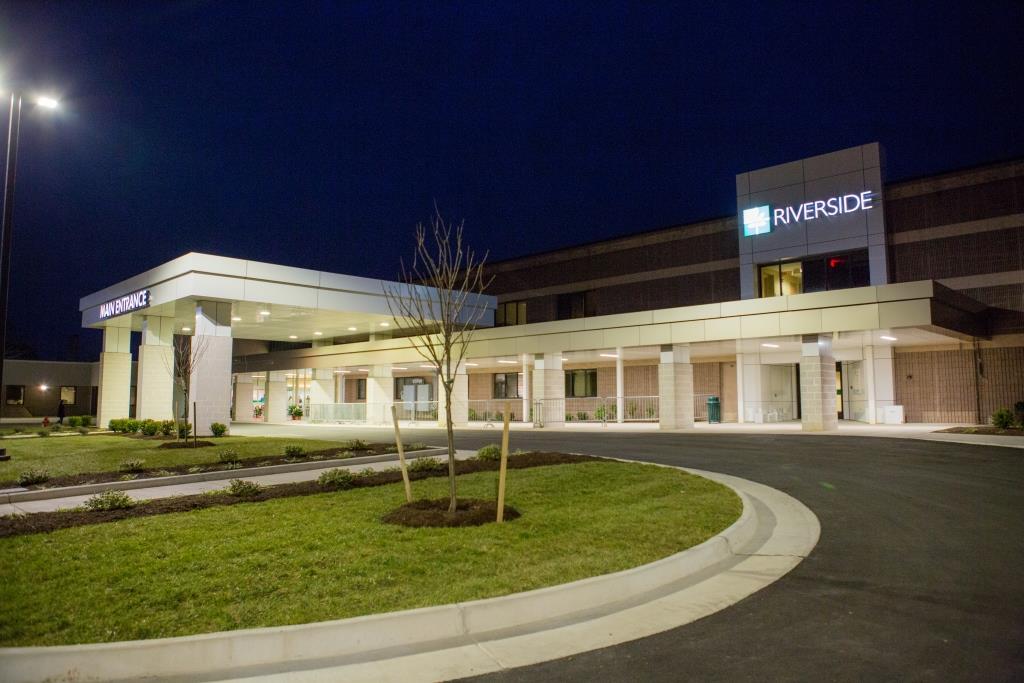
(416, 411)
(337, 412)
(493, 409)
(595, 409)
(700, 407)
(769, 411)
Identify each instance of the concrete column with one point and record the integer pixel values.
(275, 404)
(526, 388)
(460, 399)
(675, 387)
(549, 387)
(210, 384)
(321, 386)
(115, 380)
(818, 384)
(879, 381)
(339, 388)
(154, 393)
(620, 387)
(380, 394)
(749, 388)
(243, 399)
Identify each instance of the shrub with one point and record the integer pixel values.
(366, 472)
(83, 430)
(241, 488)
(43, 432)
(218, 428)
(473, 417)
(424, 465)
(1002, 418)
(195, 469)
(132, 465)
(356, 445)
(128, 477)
(184, 429)
(228, 455)
(150, 427)
(336, 479)
(74, 421)
(293, 451)
(295, 411)
(162, 473)
(491, 451)
(115, 425)
(416, 446)
(132, 426)
(19, 430)
(32, 476)
(167, 427)
(109, 500)
(56, 428)
(86, 420)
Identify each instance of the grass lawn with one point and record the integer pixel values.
(313, 558)
(76, 454)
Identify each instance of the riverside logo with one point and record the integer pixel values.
(759, 220)
(125, 304)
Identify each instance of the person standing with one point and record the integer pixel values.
(61, 410)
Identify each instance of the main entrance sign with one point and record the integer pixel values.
(125, 304)
(761, 219)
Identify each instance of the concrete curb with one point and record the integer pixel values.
(215, 475)
(404, 639)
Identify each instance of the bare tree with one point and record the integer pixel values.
(438, 304)
(188, 353)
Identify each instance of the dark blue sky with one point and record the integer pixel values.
(317, 134)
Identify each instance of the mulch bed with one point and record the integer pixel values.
(984, 429)
(434, 513)
(257, 461)
(41, 522)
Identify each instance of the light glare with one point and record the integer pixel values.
(48, 102)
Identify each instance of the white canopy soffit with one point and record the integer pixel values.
(269, 301)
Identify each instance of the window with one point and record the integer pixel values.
(413, 389)
(506, 385)
(360, 389)
(510, 313)
(580, 383)
(15, 394)
(576, 305)
(819, 274)
(67, 394)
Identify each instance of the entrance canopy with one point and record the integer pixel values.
(268, 302)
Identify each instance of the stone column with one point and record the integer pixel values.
(549, 387)
(275, 405)
(380, 394)
(749, 388)
(675, 387)
(818, 384)
(243, 398)
(210, 384)
(527, 407)
(460, 399)
(620, 387)
(154, 392)
(115, 380)
(339, 387)
(879, 381)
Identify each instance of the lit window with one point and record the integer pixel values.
(506, 385)
(15, 394)
(67, 394)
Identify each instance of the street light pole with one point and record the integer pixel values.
(6, 239)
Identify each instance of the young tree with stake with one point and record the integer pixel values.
(438, 303)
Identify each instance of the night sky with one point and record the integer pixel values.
(317, 134)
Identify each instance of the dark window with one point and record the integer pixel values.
(817, 274)
(408, 389)
(360, 389)
(506, 385)
(510, 313)
(15, 394)
(576, 305)
(580, 383)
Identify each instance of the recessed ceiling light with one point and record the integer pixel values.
(384, 324)
(770, 346)
(341, 372)
(235, 318)
(292, 336)
(351, 329)
(264, 312)
(428, 367)
(564, 359)
(608, 355)
(318, 333)
(888, 338)
(361, 369)
(509, 362)
(472, 365)
(186, 329)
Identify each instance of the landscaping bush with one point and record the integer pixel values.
(356, 445)
(19, 430)
(116, 425)
(241, 488)
(132, 426)
(86, 420)
(295, 411)
(167, 427)
(416, 446)
(110, 500)
(45, 431)
(56, 428)
(424, 465)
(32, 476)
(150, 427)
(73, 421)
(184, 429)
(293, 451)
(336, 479)
(228, 455)
(1002, 418)
(132, 465)
(218, 428)
(491, 451)
(83, 430)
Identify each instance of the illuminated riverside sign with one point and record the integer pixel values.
(761, 219)
(125, 304)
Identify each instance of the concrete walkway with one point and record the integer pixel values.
(193, 488)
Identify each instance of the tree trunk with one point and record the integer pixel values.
(451, 447)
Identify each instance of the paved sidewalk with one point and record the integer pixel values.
(193, 488)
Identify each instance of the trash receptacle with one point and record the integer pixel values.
(714, 410)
